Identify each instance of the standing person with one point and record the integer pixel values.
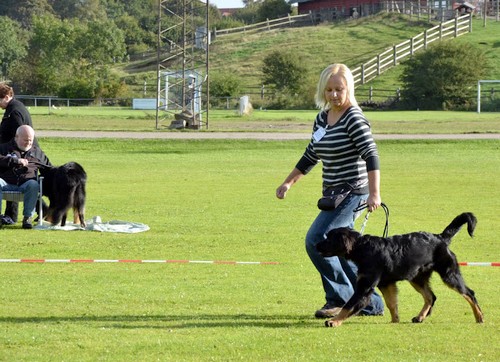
(15, 115)
(343, 142)
(20, 160)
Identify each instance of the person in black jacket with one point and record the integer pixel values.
(15, 115)
(20, 160)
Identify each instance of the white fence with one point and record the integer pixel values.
(392, 56)
(268, 25)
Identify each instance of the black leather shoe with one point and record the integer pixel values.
(327, 311)
(27, 224)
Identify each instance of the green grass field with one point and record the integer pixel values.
(126, 119)
(214, 200)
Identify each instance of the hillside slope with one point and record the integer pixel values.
(485, 38)
(350, 42)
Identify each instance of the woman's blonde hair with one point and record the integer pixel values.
(334, 69)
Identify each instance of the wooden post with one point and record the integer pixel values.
(485, 8)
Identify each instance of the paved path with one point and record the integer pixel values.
(250, 135)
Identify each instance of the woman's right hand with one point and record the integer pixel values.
(294, 176)
(282, 190)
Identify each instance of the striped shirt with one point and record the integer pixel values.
(347, 149)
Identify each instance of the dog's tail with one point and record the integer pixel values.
(457, 223)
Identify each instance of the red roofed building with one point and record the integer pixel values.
(228, 11)
(331, 10)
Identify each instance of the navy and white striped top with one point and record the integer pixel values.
(347, 150)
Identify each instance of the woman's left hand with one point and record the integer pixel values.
(373, 202)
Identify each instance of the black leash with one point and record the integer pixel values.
(38, 163)
(365, 221)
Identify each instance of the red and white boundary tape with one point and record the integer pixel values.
(136, 261)
(478, 264)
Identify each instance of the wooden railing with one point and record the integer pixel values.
(392, 56)
(267, 25)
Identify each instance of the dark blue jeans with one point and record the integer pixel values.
(30, 191)
(337, 274)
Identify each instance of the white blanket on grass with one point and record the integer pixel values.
(96, 224)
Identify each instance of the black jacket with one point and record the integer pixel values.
(11, 171)
(15, 115)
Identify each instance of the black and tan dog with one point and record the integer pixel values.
(384, 261)
(65, 187)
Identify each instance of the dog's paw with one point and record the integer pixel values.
(417, 320)
(332, 323)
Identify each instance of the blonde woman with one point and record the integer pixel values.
(343, 142)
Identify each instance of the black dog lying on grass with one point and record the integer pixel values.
(65, 188)
(384, 261)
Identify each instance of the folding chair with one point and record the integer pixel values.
(18, 196)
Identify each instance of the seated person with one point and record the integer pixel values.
(15, 115)
(20, 160)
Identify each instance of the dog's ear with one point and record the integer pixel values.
(348, 239)
(336, 242)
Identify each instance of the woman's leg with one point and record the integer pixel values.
(337, 275)
(376, 305)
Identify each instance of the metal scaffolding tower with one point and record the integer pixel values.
(182, 64)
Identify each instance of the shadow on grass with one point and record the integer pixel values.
(176, 321)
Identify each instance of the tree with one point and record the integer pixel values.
(86, 10)
(69, 56)
(13, 43)
(49, 56)
(146, 11)
(100, 42)
(248, 15)
(24, 10)
(442, 76)
(135, 37)
(284, 70)
(273, 9)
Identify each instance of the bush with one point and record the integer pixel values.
(442, 77)
(223, 86)
(78, 88)
(228, 22)
(283, 70)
